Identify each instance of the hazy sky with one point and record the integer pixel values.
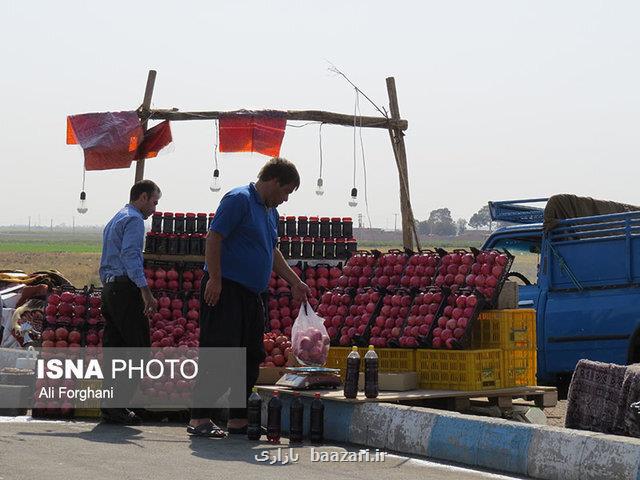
(505, 99)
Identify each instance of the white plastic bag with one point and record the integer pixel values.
(309, 338)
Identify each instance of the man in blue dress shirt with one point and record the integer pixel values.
(240, 255)
(126, 299)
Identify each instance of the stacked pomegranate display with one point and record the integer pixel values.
(389, 269)
(387, 327)
(360, 311)
(321, 278)
(334, 308)
(421, 318)
(420, 270)
(283, 310)
(171, 326)
(486, 272)
(455, 320)
(277, 348)
(358, 271)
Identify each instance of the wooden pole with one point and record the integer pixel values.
(300, 115)
(400, 153)
(144, 108)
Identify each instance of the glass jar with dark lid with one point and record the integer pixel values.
(325, 227)
(167, 222)
(336, 227)
(284, 246)
(150, 243)
(194, 244)
(281, 226)
(347, 227)
(314, 227)
(296, 247)
(172, 244)
(341, 248)
(201, 223)
(330, 248)
(190, 223)
(303, 226)
(318, 247)
(178, 223)
(183, 244)
(161, 243)
(352, 246)
(307, 247)
(290, 226)
(156, 222)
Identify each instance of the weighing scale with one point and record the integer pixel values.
(310, 378)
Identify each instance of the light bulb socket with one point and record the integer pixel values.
(216, 173)
(83, 195)
(354, 192)
(320, 182)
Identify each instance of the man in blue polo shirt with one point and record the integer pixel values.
(240, 255)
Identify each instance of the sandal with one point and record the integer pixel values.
(206, 430)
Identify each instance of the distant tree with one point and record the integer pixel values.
(422, 227)
(481, 218)
(441, 223)
(461, 226)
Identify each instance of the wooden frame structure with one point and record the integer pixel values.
(394, 124)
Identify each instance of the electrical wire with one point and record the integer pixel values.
(355, 117)
(215, 147)
(364, 169)
(320, 143)
(84, 175)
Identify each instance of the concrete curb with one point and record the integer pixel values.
(496, 444)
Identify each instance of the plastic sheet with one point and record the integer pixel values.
(251, 133)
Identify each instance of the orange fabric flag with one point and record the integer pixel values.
(252, 133)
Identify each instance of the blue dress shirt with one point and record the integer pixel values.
(122, 243)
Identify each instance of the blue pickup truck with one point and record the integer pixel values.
(587, 288)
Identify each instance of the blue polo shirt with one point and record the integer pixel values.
(250, 233)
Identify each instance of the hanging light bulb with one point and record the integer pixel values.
(353, 201)
(82, 205)
(215, 181)
(320, 187)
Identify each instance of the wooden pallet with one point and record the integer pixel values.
(455, 400)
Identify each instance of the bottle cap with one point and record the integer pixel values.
(276, 393)
(254, 389)
(291, 217)
(296, 394)
(201, 214)
(180, 215)
(303, 218)
(370, 347)
(324, 219)
(335, 219)
(313, 219)
(354, 349)
(317, 395)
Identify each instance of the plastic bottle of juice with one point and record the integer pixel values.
(254, 415)
(296, 419)
(353, 371)
(371, 373)
(274, 418)
(316, 427)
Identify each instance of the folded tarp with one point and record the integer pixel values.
(562, 206)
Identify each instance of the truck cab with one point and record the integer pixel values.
(583, 279)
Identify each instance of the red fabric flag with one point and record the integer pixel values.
(155, 139)
(251, 133)
(109, 139)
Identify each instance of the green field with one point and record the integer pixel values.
(46, 241)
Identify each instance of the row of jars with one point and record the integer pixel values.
(179, 223)
(318, 247)
(172, 244)
(323, 227)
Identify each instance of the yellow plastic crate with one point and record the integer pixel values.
(90, 408)
(512, 329)
(389, 359)
(519, 368)
(470, 370)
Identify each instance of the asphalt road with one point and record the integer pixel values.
(80, 450)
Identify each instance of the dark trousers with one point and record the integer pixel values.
(237, 320)
(125, 326)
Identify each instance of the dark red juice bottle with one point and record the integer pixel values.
(274, 418)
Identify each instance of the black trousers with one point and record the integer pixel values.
(125, 326)
(237, 320)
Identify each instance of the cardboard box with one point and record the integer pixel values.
(508, 297)
(270, 375)
(393, 381)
